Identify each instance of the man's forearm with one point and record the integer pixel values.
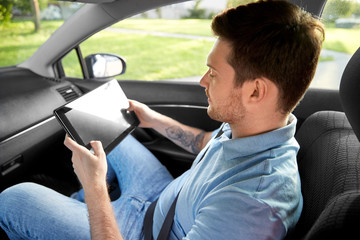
(91, 169)
(101, 216)
(189, 138)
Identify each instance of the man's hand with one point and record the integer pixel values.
(148, 117)
(90, 168)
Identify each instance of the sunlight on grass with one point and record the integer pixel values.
(200, 27)
(150, 57)
(342, 40)
(18, 41)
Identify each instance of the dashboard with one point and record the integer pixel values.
(27, 102)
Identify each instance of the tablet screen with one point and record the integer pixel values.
(98, 115)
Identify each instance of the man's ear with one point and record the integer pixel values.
(258, 88)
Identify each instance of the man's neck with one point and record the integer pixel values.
(257, 126)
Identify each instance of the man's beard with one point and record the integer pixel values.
(229, 111)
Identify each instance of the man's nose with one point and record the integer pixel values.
(204, 80)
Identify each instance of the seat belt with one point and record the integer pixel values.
(169, 219)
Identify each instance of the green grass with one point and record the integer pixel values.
(342, 40)
(18, 41)
(148, 57)
(336, 39)
(326, 58)
(199, 27)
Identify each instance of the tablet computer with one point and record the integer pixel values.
(100, 114)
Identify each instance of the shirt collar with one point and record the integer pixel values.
(246, 146)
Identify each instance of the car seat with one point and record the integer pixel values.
(329, 166)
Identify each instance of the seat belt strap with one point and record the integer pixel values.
(168, 222)
(169, 219)
(148, 221)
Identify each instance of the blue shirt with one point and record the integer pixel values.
(244, 188)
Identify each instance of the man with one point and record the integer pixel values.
(244, 184)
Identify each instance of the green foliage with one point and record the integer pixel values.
(198, 13)
(340, 9)
(357, 9)
(5, 10)
(235, 3)
(25, 7)
(18, 41)
(6, 7)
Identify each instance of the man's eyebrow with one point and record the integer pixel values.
(210, 66)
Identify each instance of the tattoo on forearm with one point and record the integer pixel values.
(186, 138)
(198, 142)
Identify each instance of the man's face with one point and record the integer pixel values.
(225, 102)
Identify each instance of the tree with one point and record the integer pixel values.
(35, 13)
(337, 9)
(235, 3)
(25, 6)
(197, 12)
(357, 9)
(5, 10)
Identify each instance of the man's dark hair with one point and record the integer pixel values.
(272, 39)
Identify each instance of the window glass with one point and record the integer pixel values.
(342, 38)
(23, 30)
(159, 44)
(71, 65)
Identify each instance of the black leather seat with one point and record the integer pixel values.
(329, 166)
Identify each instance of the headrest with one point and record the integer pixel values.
(350, 92)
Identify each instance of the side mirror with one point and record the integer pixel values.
(104, 65)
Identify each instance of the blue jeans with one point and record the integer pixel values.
(31, 211)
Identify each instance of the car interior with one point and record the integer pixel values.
(31, 139)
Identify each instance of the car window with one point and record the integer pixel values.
(21, 34)
(171, 42)
(71, 65)
(165, 43)
(342, 38)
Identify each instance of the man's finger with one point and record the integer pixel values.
(71, 144)
(131, 105)
(98, 148)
